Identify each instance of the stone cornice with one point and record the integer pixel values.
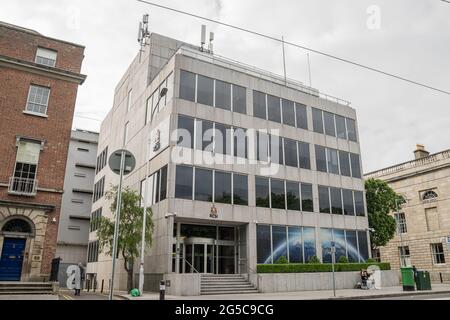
(42, 70)
(46, 207)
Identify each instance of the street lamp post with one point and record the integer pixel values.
(162, 93)
(333, 261)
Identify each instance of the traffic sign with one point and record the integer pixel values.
(114, 161)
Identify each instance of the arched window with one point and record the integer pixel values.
(17, 225)
(429, 195)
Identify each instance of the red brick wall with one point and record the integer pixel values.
(22, 45)
(55, 129)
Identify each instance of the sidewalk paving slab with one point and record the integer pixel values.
(347, 294)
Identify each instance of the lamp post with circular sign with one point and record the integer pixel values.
(121, 162)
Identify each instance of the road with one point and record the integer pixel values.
(69, 295)
(435, 296)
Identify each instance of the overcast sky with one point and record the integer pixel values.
(411, 38)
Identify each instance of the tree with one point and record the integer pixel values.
(130, 229)
(381, 200)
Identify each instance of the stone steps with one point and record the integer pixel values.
(9, 288)
(226, 284)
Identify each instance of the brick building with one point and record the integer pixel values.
(423, 222)
(39, 79)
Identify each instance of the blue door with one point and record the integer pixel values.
(11, 259)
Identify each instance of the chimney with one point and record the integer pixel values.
(420, 152)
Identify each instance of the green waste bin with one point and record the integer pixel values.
(423, 280)
(408, 279)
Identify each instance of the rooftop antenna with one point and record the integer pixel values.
(143, 33)
(211, 39)
(203, 37)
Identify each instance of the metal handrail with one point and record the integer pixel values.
(184, 259)
(22, 186)
(251, 270)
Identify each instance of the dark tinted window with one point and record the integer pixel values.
(203, 185)
(333, 163)
(303, 155)
(157, 190)
(359, 203)
(222, 189)
(240, 189)
(330, 129)
(205, 135)
(259, 105)
(295, 245)
(351, 129)
(205, 90)
(288, 112)
(340, 127)
(300, 114)
(223, 139)
(276, 149)
(264, 246)
(293, 196)
(324, 200)
(239, 99)
(336, 200)
(183, 182)
(344, 163)
(321, 159)
(347, 196)
(307, 197)
(223, 95)
(163, 183)
(290, 153)
(187, 85)
(317, 120)
(262, 146)
(262, 192)
(277, 192)
(356, 169)
(185, 132)
(363, 246)
(279, 242)
(240, 142)
(273, 108)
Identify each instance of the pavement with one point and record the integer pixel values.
(65, 294)
(441, 291)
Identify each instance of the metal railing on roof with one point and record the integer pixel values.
(258, 72)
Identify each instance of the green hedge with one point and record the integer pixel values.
(317, 267)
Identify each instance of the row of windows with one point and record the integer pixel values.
(155, 102)
(280, 194)
(437, 254)
(298, 244)
(337, 162)
(102, 159)
(205, 185)
(272, 108)
(333, 125)
(211, 92)
(95, 219)
(341, 201)
(156, 187)
(99, 189)
(93, 248)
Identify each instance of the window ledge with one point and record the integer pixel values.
(35, 114)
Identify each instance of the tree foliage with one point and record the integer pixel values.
(381, 200)
(130, 229)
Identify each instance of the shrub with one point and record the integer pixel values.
(371, 260)
(343, 259)
(317, 267)
(314, 259)
(282, 260)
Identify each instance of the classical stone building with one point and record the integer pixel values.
(244, 167)
(423, 222)
(39, 79)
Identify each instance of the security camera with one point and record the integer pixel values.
(168, 215)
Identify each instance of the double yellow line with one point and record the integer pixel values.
(67, 297)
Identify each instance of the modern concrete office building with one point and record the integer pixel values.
(423, 222)
(74, 222)
(245, 167)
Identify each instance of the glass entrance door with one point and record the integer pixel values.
(199, 257)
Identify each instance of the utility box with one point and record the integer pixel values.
(423, 280)
(408, 279)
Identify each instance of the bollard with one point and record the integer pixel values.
(162, 289)
(440, 276)
(95, 284)
(88, 284)
(103, 282)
